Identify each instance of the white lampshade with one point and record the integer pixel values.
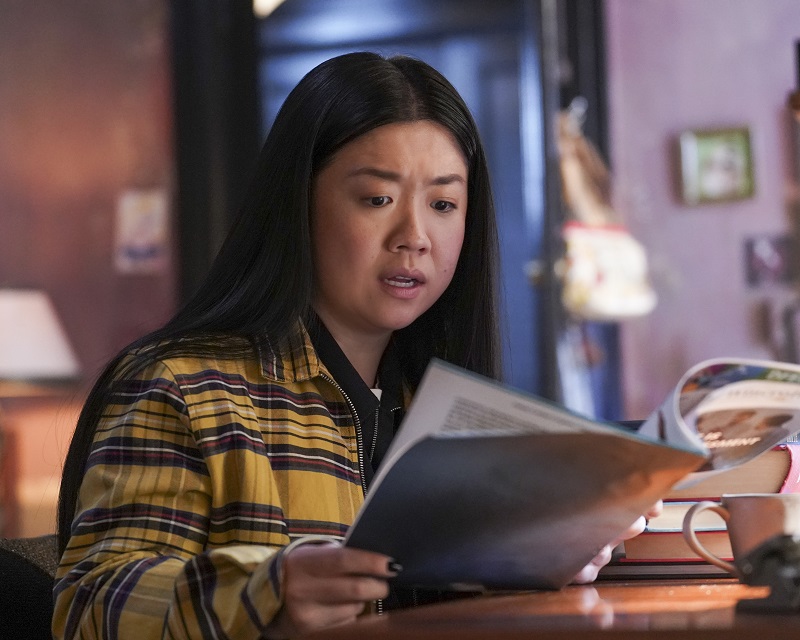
(263, 8)
(33, 344)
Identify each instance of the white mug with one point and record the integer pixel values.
(750, 518)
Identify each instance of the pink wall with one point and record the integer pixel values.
(686, 64)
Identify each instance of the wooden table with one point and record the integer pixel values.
(654, 610)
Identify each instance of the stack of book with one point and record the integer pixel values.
(662, 550)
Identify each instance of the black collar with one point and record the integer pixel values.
(342, 371)
(388, 410)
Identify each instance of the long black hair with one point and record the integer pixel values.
(261, 281)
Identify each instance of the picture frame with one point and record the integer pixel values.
(716, 165)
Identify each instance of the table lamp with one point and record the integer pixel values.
(34, 354)
(34, 348)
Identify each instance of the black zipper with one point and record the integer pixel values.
(359, 452)
(375, 434)
(359, 436)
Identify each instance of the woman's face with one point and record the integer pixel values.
(387, 225)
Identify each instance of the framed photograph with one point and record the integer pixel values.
(716, 165)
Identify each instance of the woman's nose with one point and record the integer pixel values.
(410, 233)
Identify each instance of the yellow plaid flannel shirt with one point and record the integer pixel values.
(202, 471)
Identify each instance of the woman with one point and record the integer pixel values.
(212, 455)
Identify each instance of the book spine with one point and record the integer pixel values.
(791, 484)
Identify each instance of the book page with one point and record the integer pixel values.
(469, 417)
(452, 402)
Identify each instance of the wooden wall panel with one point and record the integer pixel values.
(85, 114)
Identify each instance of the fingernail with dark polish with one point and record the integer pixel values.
(395, 567)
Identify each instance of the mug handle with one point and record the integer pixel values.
(691, 537)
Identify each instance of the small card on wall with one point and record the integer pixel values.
(141, 243)
(770, 259)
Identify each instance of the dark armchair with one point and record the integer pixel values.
(27, 569)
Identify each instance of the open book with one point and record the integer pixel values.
(734, 410)
(487, 487)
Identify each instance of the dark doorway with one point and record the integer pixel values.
(488, 51)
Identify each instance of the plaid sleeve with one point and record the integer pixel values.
(138, 564)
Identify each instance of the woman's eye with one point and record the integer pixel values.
(443, 205)
(379, 201)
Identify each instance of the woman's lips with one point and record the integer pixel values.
(399, 281)
(405, 284)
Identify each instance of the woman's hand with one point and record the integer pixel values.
(325, 585)
(589, 572)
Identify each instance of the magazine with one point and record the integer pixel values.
(733, 410)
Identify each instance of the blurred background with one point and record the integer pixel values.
(128, 131)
